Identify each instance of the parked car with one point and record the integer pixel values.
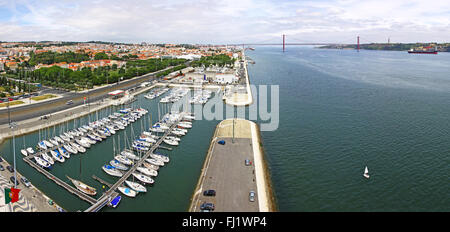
(248, 162)
(207, 206)
(10, 169)
(12, 179)
(209, 192)
(2, 168)
(1, 160)
(25, 181)
(252, 196)
(221, 142)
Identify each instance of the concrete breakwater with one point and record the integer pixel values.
(226, 171)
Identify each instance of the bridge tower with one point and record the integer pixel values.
(283, 42)
(357, 48)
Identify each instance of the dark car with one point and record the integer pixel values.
(12, 179)
(209, 192)
(2, 168)
(207, 206)
(1, 160)
(10, 169)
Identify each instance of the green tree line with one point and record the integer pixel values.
(219, 60)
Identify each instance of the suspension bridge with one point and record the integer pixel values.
(352, 41)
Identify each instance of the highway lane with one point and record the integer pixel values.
(49, 107)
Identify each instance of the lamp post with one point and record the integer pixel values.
(12, 125)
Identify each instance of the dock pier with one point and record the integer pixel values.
(111, 193)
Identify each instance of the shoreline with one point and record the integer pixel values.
(30, 129)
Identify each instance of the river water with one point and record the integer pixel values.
(340, 111)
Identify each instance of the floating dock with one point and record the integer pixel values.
(110, 194)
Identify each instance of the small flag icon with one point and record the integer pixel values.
(11, 195)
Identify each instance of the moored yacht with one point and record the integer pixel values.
(112, 170)
(127, 191)
(143, 178)
(136, 186)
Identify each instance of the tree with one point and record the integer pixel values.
(101, 56)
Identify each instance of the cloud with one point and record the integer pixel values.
(233, 21)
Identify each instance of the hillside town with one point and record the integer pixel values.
(17, 54)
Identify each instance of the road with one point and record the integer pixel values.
(227, 173)
(49, 107)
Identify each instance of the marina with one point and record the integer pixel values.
(84, 191)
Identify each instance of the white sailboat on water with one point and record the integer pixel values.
(366, 173)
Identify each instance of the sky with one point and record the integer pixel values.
(226, 21)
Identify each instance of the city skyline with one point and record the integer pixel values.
(206, 22)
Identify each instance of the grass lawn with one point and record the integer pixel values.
(11, 103)
(46, 96)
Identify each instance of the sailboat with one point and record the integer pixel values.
(127, 191)
(366, 173)
(111, 170)
(136, 186)
(145, 179)
(147, 171)
(83, 187)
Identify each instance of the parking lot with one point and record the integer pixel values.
(31, 199)
(229, 176)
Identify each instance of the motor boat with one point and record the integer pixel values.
(143, 178)
(58, 139)
(115, 201)
(24, 152)
(47, 158)
(30, 150)
(83, 143)
(77, 147)
(48, 144)
(136, 186)
(54, 142)
(42, 162)
(112, 170)
(70, 149)
(68, 135)
(64, 138)
(127, 191)
(57, 156)
(42, 145)
(63, 152)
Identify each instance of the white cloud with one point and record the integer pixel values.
(233, 21)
